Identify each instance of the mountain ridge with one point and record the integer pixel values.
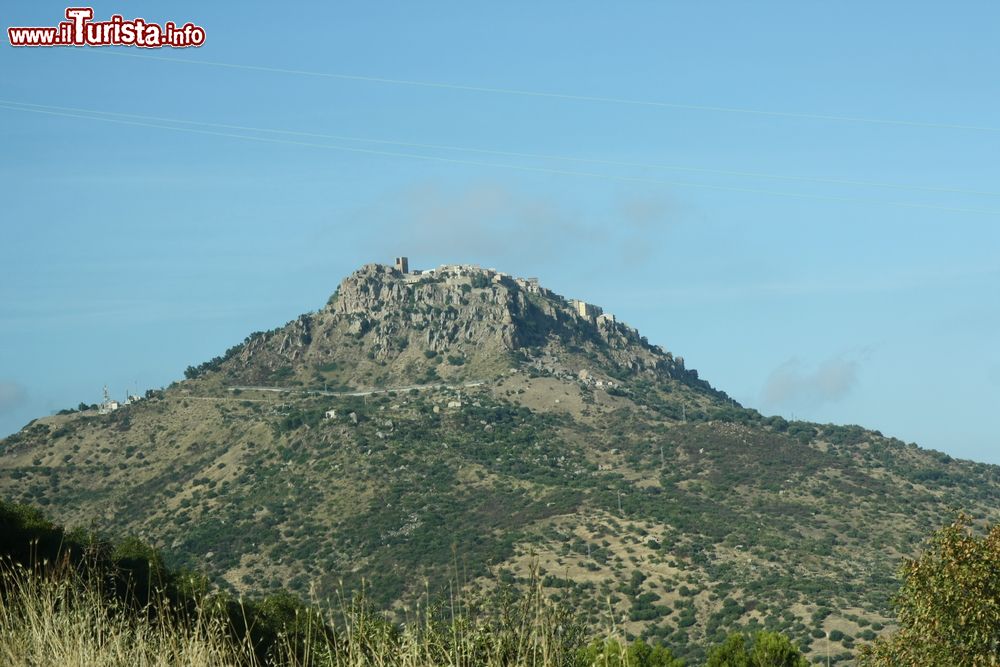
(644, 495)
(456, 305)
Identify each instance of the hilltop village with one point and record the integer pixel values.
(456, 274)
(476, 276)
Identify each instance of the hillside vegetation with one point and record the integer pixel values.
(74, 599)
(481, 427)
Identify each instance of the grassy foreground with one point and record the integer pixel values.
(48, 620)
(71, 599)
(56, 616)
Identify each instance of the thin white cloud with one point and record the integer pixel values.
(641, 219)
(489, 220)
(479, 221)
(792, 384)
(12, 396)
(645, 212)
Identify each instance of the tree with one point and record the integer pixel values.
(949, 604)
(611, 653)
(730, 653)
(764, 649)
(771, 649)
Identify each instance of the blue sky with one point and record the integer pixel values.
(809, 261)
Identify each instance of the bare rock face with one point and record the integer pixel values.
(396, 321)
(446, 308)
(367, 290)
(468, 307)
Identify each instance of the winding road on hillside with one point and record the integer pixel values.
(370, 392)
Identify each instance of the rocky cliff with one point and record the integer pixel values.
(383, 326)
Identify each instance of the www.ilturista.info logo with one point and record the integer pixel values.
(81, 30)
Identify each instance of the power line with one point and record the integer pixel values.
(536, 156)
(564, 96)
(499, 165)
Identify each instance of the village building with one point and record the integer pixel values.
(586, 310)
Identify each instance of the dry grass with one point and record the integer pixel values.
(56, 617)
(59, 619)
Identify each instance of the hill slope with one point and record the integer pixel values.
(463, 422)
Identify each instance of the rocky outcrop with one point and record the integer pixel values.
(438, 310)
(465, 312)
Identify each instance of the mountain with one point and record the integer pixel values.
(464, 425)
